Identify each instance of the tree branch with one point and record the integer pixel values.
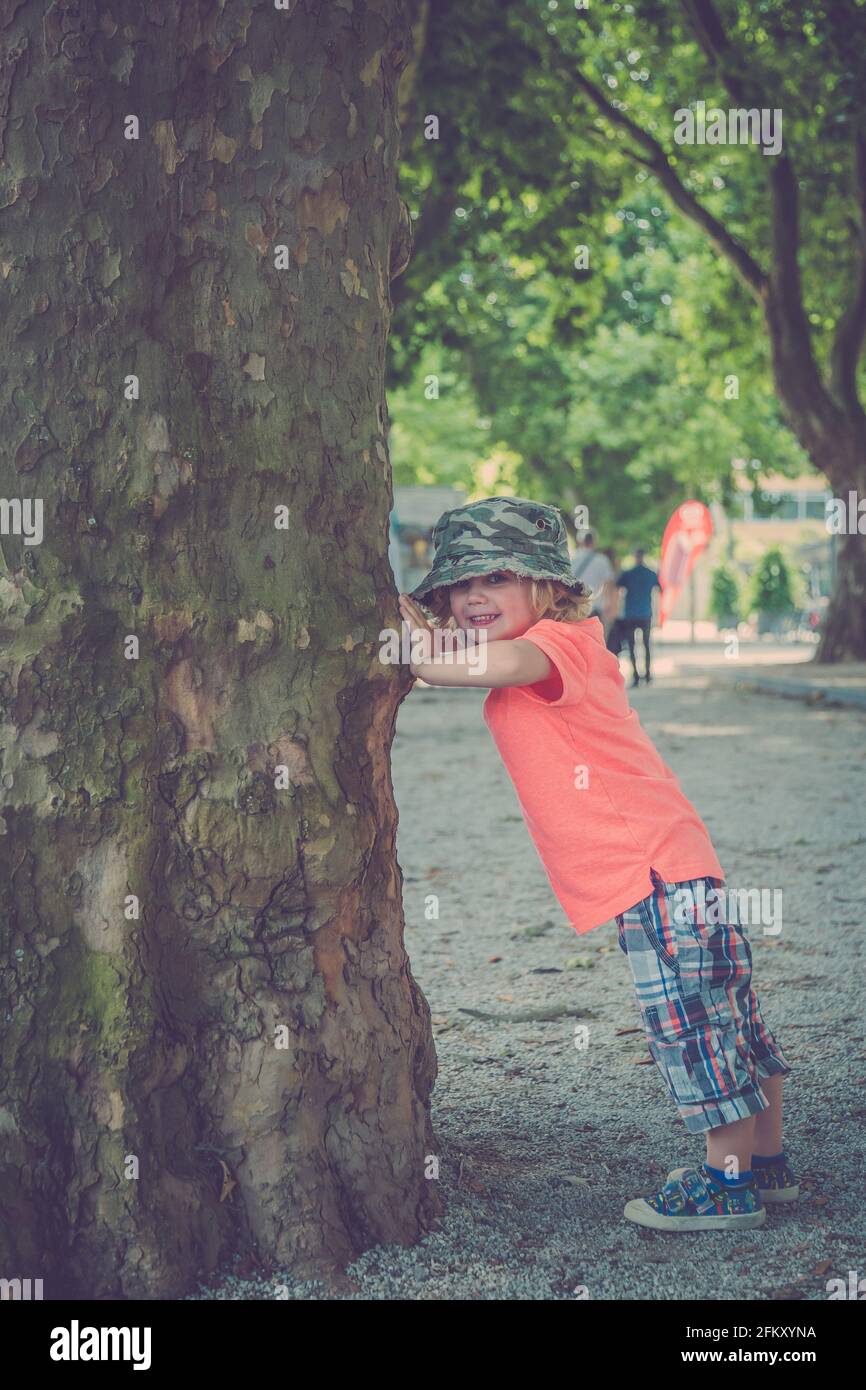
(797, 375)
(418, 14)
(435, 216)
(851, 328)
(728, 65)
(656, 160)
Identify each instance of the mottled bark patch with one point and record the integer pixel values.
(104, 885)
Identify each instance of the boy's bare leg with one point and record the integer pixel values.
(768, 1125)
(732, 1141)
(757, 1134)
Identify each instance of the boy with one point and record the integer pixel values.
(620, 839)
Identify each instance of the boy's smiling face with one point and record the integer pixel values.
(497, 603)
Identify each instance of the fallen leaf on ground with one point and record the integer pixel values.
(228, 1181)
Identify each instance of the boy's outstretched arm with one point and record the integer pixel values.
(490, 665)
(481, 662)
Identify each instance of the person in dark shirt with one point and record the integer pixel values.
(639, 583)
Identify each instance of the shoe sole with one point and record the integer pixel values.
(769, 1195)
(641, 1212)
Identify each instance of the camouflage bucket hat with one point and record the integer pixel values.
(499, 533)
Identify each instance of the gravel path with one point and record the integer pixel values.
(541, 1144)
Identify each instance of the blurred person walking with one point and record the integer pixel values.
(640, 583)
(593, 568)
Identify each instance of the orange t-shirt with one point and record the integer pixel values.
(600, 804)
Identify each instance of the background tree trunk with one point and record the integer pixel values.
(259, 387)
(829, 422)
(843, 635)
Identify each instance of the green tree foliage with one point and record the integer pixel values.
(725, 597)
(603, 385)
(771, 584)
(557, 209)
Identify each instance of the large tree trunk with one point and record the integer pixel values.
(843, 635)
(151, 1030)
(831, 426)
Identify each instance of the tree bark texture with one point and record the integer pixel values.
(171, 914)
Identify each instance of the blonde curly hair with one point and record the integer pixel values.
(548, 598)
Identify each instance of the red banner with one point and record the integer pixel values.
(686, 535)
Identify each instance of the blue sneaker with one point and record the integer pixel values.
(696, 1201)
(777, 1182)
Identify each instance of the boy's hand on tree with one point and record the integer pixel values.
(413, 615)
(416, 622)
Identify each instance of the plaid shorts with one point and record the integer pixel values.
(702, 1020)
